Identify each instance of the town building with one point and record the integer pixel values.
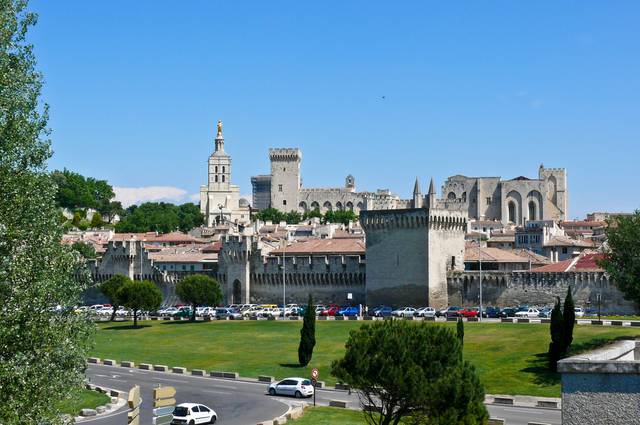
(220, 200)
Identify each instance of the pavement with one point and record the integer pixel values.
(245, 402)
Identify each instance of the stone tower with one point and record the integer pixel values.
(219, 165)
(285, 178)
(555, 192)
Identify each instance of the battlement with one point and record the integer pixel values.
(326, 190)
(285, 154)
(410, 218)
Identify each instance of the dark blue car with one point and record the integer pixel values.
(381, 311)
(491, 312)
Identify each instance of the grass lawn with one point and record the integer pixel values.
(330, 416)
(83, 399)
(510, 358)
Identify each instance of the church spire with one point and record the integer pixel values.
(416, 188)
(431, 196)
(432, 187)
(219, 138)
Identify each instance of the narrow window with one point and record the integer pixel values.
(223, 178)
(284, 202)
(216, 179)
(223, 169)
(279, 188)
(216, 168)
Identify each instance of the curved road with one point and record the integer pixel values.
(246, 402)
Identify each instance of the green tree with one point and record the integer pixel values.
(111, 209)
(569, 320)
(270, 214)
(413, 373)
(293, 217)
(111, 289)
(621, 260)
(140, 295)
(42, 352)
(460, 330)
(160, 217)
(86, 250)
(556, 329)
(199, 289)
(314, 213)
(340, 216)
(307, 334)
(96, 221)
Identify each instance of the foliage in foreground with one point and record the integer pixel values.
(42, 349)
(621, 260)
(413, 373)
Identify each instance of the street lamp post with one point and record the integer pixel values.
(480, 273)
(284, 284)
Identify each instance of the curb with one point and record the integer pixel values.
(117, 402)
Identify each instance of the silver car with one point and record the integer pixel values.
(297, 387)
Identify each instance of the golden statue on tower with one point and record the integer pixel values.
(219, 128)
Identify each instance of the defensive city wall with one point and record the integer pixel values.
(537, 289)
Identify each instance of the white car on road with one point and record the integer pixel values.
(404, 312)
(528, 313)
(192, 413)
(579, 311)
(297, 387)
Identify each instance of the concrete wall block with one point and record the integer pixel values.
(548, 404)
(268, 379)
(320, 384)
(506, 320)
(178, 369)
(635, 323)
(545, 320)
(495, 421)
(452, 319)
(116, 393)
(198, 372)
(522, 320)
(338, 403)
(216, 374)
(231, 375)
(145, 366)
(161, 368)
(345, 387)
(616, 323)
(127, 364)
(88, 412)
(101, 409)
(109, 362)
(472, 319)
(94, 360)
(503, 400)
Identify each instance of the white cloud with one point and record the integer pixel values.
(135, 195)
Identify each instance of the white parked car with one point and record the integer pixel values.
(529, 313)
(426, 312)
(579, 311)
(297, 387)
(122, 312)
(208, 312)
(105, 311)
(271, 312)
(404, 312)
(252, 311)
(192, 413)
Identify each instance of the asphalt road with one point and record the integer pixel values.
(247, 403)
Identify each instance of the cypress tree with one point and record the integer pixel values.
(569, 317)
(460, 330)
(307, 334)
(557, 336)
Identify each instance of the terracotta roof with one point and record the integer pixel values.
(583, 223)
(536, 259)
(151, 237)
(493, 255)
(324, 246)
(184, 258)
(585, 262)
(502, 237)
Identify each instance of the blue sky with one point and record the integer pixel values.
(474, 88)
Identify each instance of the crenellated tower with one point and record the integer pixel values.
(285, 178)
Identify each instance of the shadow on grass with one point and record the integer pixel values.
(539, 365)
(182, 322)
(125, 327)
(292, 365)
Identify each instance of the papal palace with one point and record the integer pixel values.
(427, 250)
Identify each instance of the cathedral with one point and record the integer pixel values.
(220, 200)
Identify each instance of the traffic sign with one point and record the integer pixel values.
(134, 397)
(164, 402)
(161, 411)
(314, 374)
(163, 392)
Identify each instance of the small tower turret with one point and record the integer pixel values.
(417, 195)
(432, 194)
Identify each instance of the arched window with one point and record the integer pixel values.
(451, 196)
(216, 179)
(327, 206)
(512, 212)
(464, 196)
(223, 178)
(223, 169)
(532, 210)
(216, 168)
(350, 206)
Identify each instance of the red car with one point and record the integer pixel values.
(331, 310)
(469, 312)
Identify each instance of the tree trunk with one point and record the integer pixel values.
(193, 313)
(135, 318)
(113, 313)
